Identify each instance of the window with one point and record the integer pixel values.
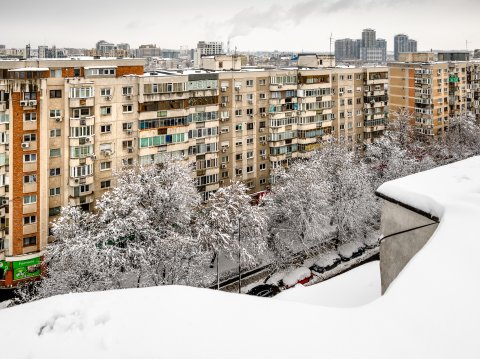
(262, 166)
(81, 171)
(238, 171)
(250, 126)
(249, 154)
(55, 191)
(55, 93)
(76, 72)
(263, 180)
(127, 126)
(224, 174)
(250, 141)
(249, 169)
(106, 91)
(56, 132)
(30, 178)
(105, 165)
(105, 128)
(238, 157)
(29, 241)
(54, 211)
(238, 142)
(55, 113)
(238, 127)
(263, 96)
(56, 73)
(249, 82)
(262, 110)
(349, 77)
(81, 92)
(127, 144)
(29, 137)
(29, 220)
(128, 161)
(54, 172)
(126, 91)
(238, 97)
(106, 110)
(262, 82)
(127, 108)
(30, 157)
(238, 112)
(30, 116)
(29, 96)
(250, 111)
(55, 152)
(29, 199)
(81, 112)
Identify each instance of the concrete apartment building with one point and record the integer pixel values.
(433, 90)
(67, 124)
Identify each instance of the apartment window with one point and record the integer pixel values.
(55, 152)
(29, 220)
(358, 101)
(249, 169)
(238, 112)
(249, 154)
(238, 157)
(127, 126)
(262, 110)
(29, 241)
(350, 102)
(250, 141)
(81, 92)
(342, 114)
(342, 126)
(55, 93)
(238, 171)
(105, 165)
(106, 110)
(238, 127)
(128, 161)
(262, 82)
(127, 144)
(81, 112)
(54, 191)
(349, 77)
(127, 108)
(106, 91)
(105, 128)
(30, 116)
(224, 174)
(262, 124)
(341, 90)
(238, 142)
(225, 159)
(56, 132)
(224, 130)
(250, 111)
(54, 211)
(105, 184)
(56, 73)
(249, 82)
(341, 77)
(263, 152)
(262, 166)
(76, 72)
(30, 157)
(238, 97)
(126, 91)
(359, 112)
(29, 137)
(55, 113)
(30, 179)
(30, 199)
(358, 77)
(54, 172)
(263, 181)
(262, 138)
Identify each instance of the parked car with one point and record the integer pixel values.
(264, 290)
(351, 250)
(300, 275)
(326, 261)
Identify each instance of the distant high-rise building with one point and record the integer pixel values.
(207, 48)
(382, 44)
(105, 48)
(401, 43)
(149, 50)
(369, 38)
(345, 49)
(42, 51)
(27, 51)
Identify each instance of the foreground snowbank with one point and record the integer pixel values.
(430, 311)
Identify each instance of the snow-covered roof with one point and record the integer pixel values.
(37, 69)
(431, 310)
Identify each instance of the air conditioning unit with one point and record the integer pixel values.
(108, 98)
(25, 145)
(23, 103)
(93, 156)
(224, 88)
(340, 94)
(223, 104)
(76, 180)
(107, 152)
(224, 119)
(264, 157)
(224, 150)
(250, 101)
(83, 122)
(32, 103)
(264, 114)
(129, 132)
(237, 87)
(58, 119)
(263, 143)
(261, 129)
(280, 86)
(129, 97)
(87, 139)
(223, 166)
(130, 149)
(3, 202)
(221, 181)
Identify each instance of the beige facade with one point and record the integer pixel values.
(67, 125)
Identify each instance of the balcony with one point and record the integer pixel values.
(374, 128)
(82, 121)
(82, 102)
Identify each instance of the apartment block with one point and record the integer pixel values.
(66, 125)
(433, 90)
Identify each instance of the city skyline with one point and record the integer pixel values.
(249, 26)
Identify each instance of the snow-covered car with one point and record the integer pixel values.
(300, 275)
(327, 261)
(264, 290)
(351, 250)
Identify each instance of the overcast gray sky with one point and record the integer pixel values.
(249, 24)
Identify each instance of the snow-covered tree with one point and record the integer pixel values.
(229, 215)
